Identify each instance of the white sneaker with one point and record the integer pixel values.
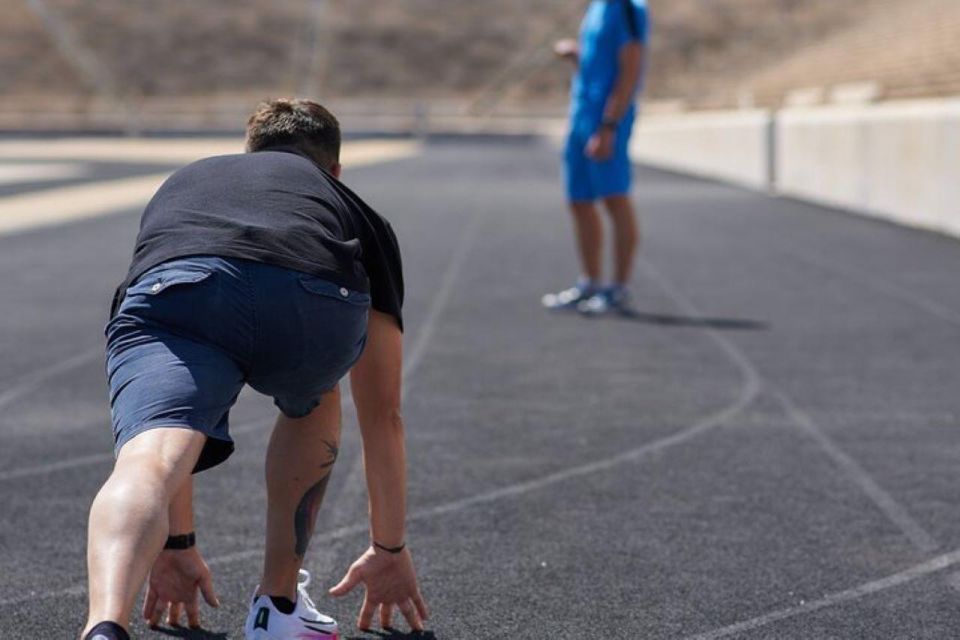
(610, 300)
(264, 622)
(568, 298)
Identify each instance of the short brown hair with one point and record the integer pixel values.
(300, 123)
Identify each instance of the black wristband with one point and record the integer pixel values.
(181, 542)
(390, 549)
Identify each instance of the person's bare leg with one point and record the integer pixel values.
(626, 236)
(300, 459)
(589, 232)
(129, 518)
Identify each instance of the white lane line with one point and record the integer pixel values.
(101, 458)
(60, 465)
(892, 290)
(354, 153)
(95, 459)
(440, 300)
(934, 565)
(22, 172)
(749, 390)
(898, 515)
(895, 512)
(34, 380)
(748, 393)
(353, 486)
(752, 381)
(74, 591)
(78, 202)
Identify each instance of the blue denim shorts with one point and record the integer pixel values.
(191, 332)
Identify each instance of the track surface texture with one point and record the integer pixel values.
(768, 450)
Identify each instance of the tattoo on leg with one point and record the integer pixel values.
(305, 517)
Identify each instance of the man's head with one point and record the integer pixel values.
(298, 123)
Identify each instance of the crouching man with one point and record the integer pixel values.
(262, 269)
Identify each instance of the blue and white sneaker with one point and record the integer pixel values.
(569, 298)
(615, 299)
(265, 622)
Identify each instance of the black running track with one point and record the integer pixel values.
(768, 450)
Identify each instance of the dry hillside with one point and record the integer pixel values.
(488, 52)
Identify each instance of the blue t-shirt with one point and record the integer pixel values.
(607, 26)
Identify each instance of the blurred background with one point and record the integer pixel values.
(783, 95)
(139, 64)
(768, 449)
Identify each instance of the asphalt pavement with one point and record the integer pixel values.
(768, 449)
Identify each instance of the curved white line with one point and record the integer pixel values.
(892, 290)
(922, 539)
(61, 465)
(749, 390)
(352, 487)
(939, 563)
(95, 459)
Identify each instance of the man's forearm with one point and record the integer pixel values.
(384, 459)
(181, 510)
(618, 103)
(631, 63)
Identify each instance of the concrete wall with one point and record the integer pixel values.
(898, 161)
(729, 145)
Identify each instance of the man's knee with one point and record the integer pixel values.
(583, 209)
(164, 455)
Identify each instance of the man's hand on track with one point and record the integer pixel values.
(391, 583)
(175, 579)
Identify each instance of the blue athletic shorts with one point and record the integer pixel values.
(191, 332)
(587, 180)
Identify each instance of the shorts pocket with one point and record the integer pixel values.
(319, 286)
(157, 281)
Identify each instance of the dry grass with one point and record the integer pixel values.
(497, 50)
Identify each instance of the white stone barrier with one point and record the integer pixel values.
(899, 161)
(727, 145)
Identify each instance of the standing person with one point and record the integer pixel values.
(262, 269)
(610, 60)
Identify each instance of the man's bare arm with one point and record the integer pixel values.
(601, 144)
(375, 381)
(568, 50)
(631, 65)
(386, 568)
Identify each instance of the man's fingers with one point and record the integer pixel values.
(386, 616)
(158, 610)
(366, 614)
(206, 588)
(410, 613)
(193, 614)
(421, 606)
(173, 615)
(346, 585)
(149, 603)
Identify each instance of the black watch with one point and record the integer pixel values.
(181, 542)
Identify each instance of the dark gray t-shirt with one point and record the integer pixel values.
(274, 206)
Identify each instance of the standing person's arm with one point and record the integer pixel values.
(386, 568)
(568, 49)
(628, 26)
(601, 144)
